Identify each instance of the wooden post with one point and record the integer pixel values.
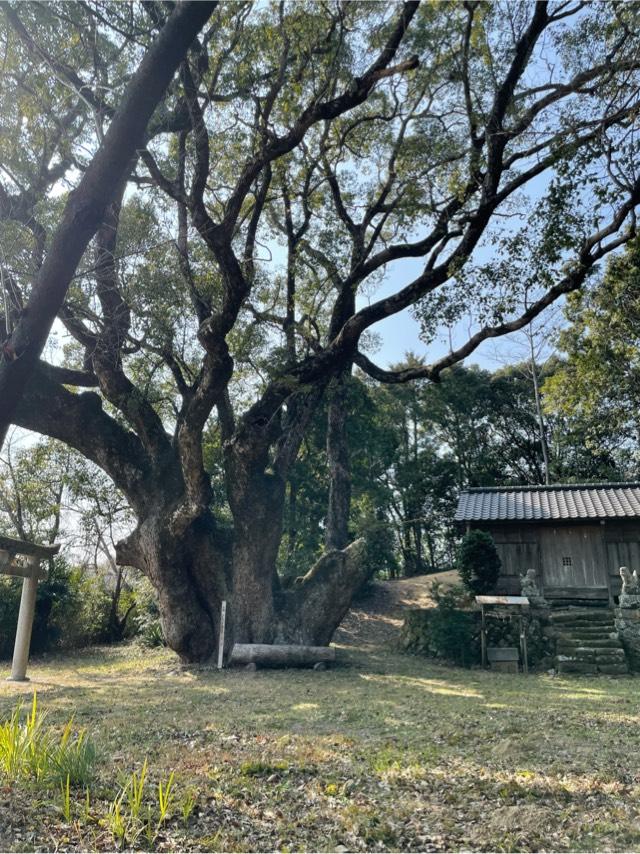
(483, 638)
(223, 620)
(523, 646)
(25, 623)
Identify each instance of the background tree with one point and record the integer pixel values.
(33, 481)
(597, 385)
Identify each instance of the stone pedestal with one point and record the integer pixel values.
(627, 622)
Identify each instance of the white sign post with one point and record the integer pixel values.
(223, 620)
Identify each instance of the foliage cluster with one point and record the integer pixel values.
(448, 632)
(478, 562)
(146, 616)
(32, 753)
(598, 380)
(139, 811)
(414, 447)
(73, 610)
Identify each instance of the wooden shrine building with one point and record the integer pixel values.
(576, 536)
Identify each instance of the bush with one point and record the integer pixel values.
(146, 617)
(89, 623)
(446, 631)
(57, 604)
(478, 562)
(72, 610)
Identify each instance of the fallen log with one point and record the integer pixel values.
(280, 655)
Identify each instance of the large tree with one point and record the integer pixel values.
(309, 149)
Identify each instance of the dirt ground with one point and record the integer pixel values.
(377, 617)
(383, 752)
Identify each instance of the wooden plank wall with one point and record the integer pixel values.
(583, 545)
(622, 541)
(601, 551)
(518, 549)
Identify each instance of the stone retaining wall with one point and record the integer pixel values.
(424, 633)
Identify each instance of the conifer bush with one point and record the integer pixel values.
(478, 562)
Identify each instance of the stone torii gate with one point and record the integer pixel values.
(22, 559)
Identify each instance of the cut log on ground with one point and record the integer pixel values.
(280, 655)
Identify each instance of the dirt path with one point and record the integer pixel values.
(375, 620)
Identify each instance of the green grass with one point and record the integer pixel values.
(33, 752)
(385, 752)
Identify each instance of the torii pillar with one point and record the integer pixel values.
(31, 572)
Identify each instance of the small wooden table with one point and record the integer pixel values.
(22, 560)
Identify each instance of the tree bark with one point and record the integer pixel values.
(191, 577)
(339, 505)
(257, 503)
(314, 608)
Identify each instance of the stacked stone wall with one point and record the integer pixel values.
(627, 622)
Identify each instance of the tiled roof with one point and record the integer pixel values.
(563, 501)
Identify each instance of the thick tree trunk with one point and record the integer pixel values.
(258, 531)
(187, 577)
(257, 503)
(337, 530)
(190, 576)
(312, 611)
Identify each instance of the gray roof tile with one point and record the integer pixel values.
(562, 501)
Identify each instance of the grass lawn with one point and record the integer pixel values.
(384, 752)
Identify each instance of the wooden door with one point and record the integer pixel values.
(573, 557)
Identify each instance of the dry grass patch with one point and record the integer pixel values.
(384, 752)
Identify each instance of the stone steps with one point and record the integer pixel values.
(604, 656)
(587, 631)
(573, 642)
(582, 617)
(587, 642)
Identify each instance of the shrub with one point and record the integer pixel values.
(147, 616)
(57, 604)
(90, 623)
(447, 631)
(73, 609)
(478, 562)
